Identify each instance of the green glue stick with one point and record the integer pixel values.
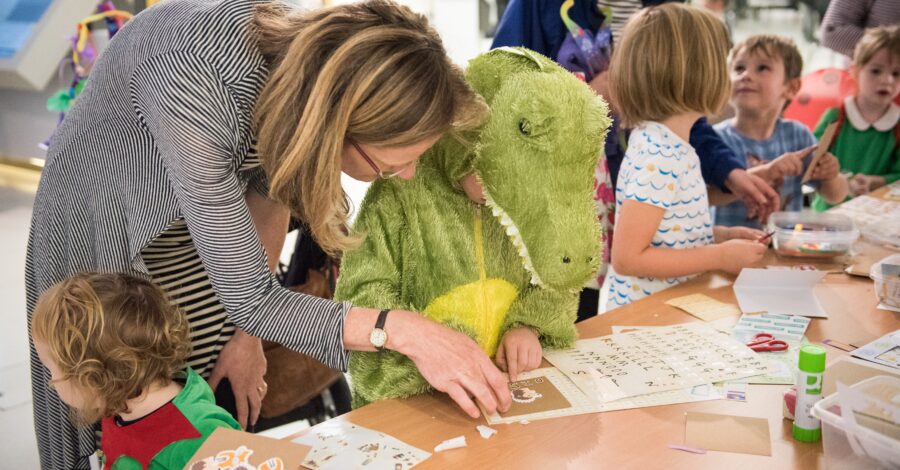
(807, 428)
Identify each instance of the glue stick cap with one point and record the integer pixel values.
(812, 358)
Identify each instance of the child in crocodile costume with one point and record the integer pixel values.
(486, 271)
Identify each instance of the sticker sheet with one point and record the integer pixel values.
(655, 360)
(864, 210)
(339, 444)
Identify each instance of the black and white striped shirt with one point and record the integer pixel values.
(147, 175)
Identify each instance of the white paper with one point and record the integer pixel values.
(455, 443)
(788, 292)
(338, 444)
(485, 431)
(655, 360)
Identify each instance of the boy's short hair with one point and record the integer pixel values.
(874, 40)
(671, 59)
(773, 46)
(112, 335)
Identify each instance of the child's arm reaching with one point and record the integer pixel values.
(633, 254)
(519, 351)
(864, 184)
(832, 185)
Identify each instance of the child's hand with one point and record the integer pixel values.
(827, 168)
(723, 234)
(789, 164)
(738, 254)
(472, 188)
(864, 184)
(519, 351)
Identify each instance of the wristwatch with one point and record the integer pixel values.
(378, 337)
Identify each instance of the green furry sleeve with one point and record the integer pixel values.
(370, 277)
(552, 313)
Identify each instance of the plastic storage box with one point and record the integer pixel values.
(812, 234)
(887, 285)
(848, 443)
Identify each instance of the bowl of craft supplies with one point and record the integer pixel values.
(860, 424)
(812, 234)
(886, 274)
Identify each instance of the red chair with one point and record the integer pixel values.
(821, 89)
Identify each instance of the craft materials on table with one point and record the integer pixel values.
(230, 449)
(654, 360)
(886, 274)
(704, 307)
(764, 342)
(339, 444)
(884, 350)
(457, 442)
(810, 367)
(864, 210)
(780, 292)
(812, 234)
(786, 328)
(727, 433)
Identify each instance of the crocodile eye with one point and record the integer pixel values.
(525, 127)
(566, 260)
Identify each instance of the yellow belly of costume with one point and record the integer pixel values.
(481, 306)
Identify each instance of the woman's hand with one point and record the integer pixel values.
(243, 363)
(519, 351)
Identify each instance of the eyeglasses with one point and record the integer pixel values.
(372, 164)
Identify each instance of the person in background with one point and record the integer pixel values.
(538, 25)
(117, 351)
(669, 70)
(845, 21)
(867, 143)
(765, 75)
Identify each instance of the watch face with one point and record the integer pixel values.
(378, 337)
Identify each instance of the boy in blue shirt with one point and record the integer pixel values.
(765, 76)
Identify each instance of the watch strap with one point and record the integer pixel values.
(382, 318)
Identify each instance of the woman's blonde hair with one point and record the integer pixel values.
(375, 72)
(671, 59)
(874, 40)
(112, 336)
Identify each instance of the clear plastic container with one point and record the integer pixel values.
(887, 287)
(809, 234)
(849, 445)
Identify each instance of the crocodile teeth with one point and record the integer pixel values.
(515, 236)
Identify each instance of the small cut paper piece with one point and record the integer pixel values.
(727, 433)
(455, 443)
(485, 431)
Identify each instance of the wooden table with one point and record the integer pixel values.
(637, 438)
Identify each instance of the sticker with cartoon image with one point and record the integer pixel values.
(535, 395)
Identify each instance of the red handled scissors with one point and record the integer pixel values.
(764, 342)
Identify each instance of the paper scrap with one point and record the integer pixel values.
(838, 345)
(455, 443)
(727, 433)
(485, 431)
(692, 450)
(704, 307)
(736, 391)
(541, 394)
(339, 444)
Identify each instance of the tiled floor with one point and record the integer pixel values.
(16, 431)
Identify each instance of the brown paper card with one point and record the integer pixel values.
(727, 433)
(534, 396)
(822, 149)
(704, 307)
(226, 443)
(849, 372)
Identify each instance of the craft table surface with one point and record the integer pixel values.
(638, 438)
